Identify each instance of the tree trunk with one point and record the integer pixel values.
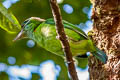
(106, 35)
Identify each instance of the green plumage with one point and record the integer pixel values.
(44, 33)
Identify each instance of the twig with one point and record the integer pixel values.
(63, 38)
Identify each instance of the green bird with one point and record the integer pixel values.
(44, 33)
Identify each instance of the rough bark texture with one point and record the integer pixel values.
(106, 29)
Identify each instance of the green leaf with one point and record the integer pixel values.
(8, 21)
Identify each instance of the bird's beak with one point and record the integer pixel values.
(20, 35)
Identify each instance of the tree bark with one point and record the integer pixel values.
(106, 35)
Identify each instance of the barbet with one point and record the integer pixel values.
(44, 33)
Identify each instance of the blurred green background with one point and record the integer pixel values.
(24, 59)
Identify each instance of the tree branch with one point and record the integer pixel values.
(63, 38)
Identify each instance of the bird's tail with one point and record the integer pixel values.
(100, 55)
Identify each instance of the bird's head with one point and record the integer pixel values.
(28, 26)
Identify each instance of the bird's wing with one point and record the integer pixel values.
(69, 26)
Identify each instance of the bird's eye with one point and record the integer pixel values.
(25, 22)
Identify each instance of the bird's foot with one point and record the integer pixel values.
(68, 62)
(57, 37)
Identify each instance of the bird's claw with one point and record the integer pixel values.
(57, 37)
(68, 62)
